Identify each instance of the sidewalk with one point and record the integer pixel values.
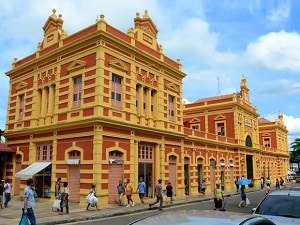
(45, 215)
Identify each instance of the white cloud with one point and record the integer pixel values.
(281, 87)
(276, 51)
(279, 13)
(195, 41)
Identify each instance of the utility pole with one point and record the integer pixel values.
(218, 78)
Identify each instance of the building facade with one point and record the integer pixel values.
(100, 106)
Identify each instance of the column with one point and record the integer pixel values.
(97, 155)
(49, 114)
(44, 106)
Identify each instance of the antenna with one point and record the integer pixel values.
(218, 78)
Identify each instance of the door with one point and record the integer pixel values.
(114, 175)
(74, 183)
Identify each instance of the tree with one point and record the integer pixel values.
(295, 154)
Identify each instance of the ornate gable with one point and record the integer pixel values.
(146, 24)
(53, 31)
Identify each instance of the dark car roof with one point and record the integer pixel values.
(196, 217)
(286, 192)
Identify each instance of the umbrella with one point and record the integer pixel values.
(244, 181)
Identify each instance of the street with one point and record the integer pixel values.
(231, 205)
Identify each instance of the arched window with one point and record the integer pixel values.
(172, 159)
(248, 141)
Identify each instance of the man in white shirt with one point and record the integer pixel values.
(29, 202)
(7, 190)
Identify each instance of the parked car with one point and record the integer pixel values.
(205, 217)
(282, 207)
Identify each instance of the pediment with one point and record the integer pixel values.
(76, 65)
(172, 87)
(266, 135)
(21, 85)
(195, 120)
(119, 65)
(220, 117)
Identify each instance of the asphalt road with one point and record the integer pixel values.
(231, 205)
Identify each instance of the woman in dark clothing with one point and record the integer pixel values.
(169, 189)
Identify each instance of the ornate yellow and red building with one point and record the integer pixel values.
(100, 106)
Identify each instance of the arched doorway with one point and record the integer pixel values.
(187, 175)
(172, 172)
(74, 175)
(212, 164)
(199, 172)
(115, 173)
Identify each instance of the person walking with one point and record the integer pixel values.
(262, 183)
(158, 193)
(203, 187)
(268, 181)
(243, 196)
(7, 190)
(281, 183)
(268, 188)
(218, 200)
(128, 193)
(93, 199)
(141, 188)
(277, 185)
(29, 203)
(64, 202)
(121, 191)
(1, 194)
(57, 188)
(237, 186)
(169, 190)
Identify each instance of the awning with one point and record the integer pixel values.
(32, 169)
(4, 148)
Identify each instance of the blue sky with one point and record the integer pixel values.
(221, 39)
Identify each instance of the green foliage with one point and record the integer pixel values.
(295, 154)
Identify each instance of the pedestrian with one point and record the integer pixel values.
(158, 193)
(93, 199)
(1, 193)
(64, 202)
(243, 196)
(169, 190)
(237, 184)
(268, 189)
(57, 188)
(262, 182)
(186, 185)
(277, 184)
(128, 193)
(141, 188)
(281, 183)
(203, 187)
(121, 191)
(218, 200)
(268, 181)
(29, 203)
(7, 190)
